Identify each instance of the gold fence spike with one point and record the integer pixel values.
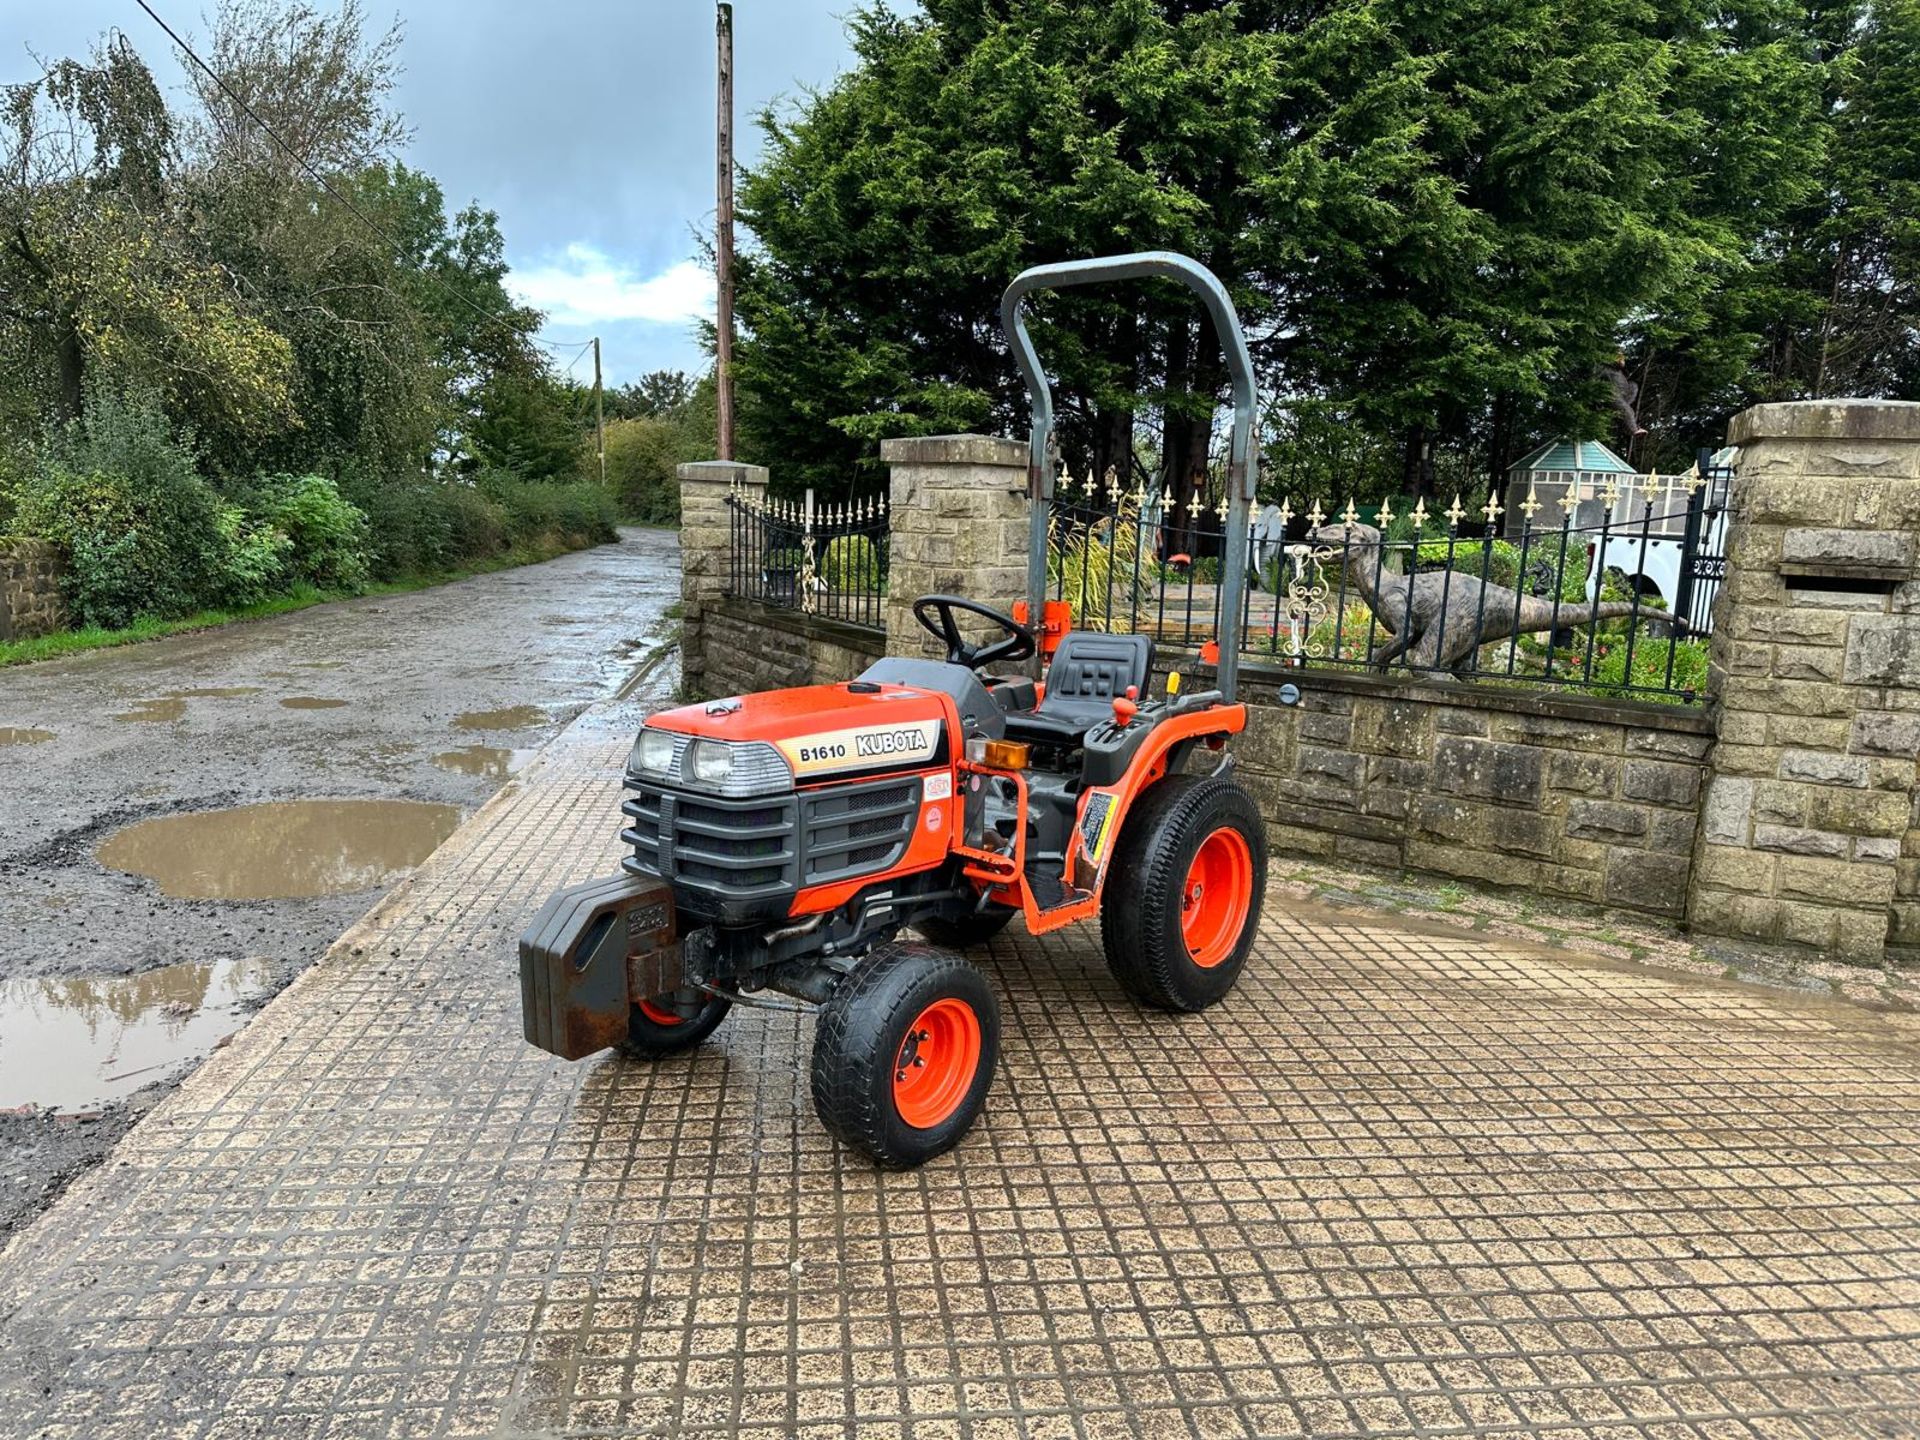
(1530, 507)
(1316, 517)
(1384, 515)
(1493, 509)
(1351, 515)
(1419, 516)
(1455, 512)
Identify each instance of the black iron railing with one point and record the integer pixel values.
(1605, 587)
(825, 560)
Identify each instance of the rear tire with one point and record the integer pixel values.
(965, 931)
(1181, 903)
(903, 1054)
(655, 1031)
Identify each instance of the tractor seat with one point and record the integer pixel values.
(1088, 671)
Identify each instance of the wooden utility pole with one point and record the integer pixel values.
(599, 413)
(723, 240)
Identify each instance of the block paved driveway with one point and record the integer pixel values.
(1401, 1184)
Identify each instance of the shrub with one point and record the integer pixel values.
(852, 565)
(409, 528)
(256, 561)
(1093, 568)
(328, 532)
(642, 457)
(1609, 671)
(123, 498)
(476, 529)
(1501, 563)
(531, 509)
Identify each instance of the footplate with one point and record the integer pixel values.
(592, 951)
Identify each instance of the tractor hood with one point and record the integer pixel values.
(828, 730)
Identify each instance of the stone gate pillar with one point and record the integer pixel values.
(957, 505)
(1808, 836)
(706, 531)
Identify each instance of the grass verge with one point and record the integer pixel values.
(72, 642)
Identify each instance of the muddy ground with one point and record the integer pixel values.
(434, 697)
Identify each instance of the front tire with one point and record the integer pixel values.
(656, 1028)
(1182, 899)
(903, 1054)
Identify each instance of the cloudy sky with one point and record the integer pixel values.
(587, 124)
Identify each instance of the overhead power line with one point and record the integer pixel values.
(372, 226)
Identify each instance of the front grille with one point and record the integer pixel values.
(745, 850)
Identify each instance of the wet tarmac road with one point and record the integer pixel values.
(430, 700)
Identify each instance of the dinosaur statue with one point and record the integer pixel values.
(1452, 614)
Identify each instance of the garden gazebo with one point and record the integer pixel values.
(1549, 472)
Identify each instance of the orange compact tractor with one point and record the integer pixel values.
(782, 842)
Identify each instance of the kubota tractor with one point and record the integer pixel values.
(782, 842)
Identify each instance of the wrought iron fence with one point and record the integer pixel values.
(1605, 588)
(826, 560)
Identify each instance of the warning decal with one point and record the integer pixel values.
(861, 748)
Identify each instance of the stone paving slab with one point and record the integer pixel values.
(1403, 1183)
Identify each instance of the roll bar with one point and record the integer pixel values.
(1241, 477)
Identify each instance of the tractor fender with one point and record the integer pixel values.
(1103, 808)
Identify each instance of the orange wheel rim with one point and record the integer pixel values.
(936, 1064)
(1216, 896)
(660, 1016)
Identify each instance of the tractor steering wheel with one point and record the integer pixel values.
(935, 612)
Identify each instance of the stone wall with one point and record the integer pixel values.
(30, 601)
(706, 530)
(1575, 798)
(1809, 834)
(751, 646)
(1786, 813)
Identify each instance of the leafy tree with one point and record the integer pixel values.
(102, 282)
(1441, 221)
(967, 144)
(657, 395)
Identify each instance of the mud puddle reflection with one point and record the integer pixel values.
(282, 850)
(74, 1044)
(516, 717)
(490, 761)
(16, 735)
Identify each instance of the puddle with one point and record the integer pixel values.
(313, 702)
(158, 711)
(14, 735)
(515, 717)
(70, 1044)
(281, 850)
(492, 761)
(162, 709)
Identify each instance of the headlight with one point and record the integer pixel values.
(712, 761)
(652, 752)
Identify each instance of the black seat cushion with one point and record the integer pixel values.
(1088, 671)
